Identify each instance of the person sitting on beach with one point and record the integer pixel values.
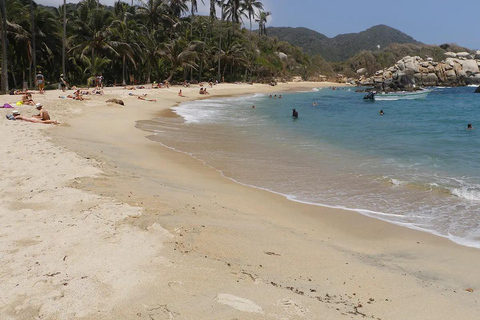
(210, 84)
(205, 91)
(201, 91)
(154, 85)
(295, 114)
(186, 84)
(97, 91)
(43, 115)
(469, 126)
(78, 96)
(180, 94)
(146, 99)
(27, 99)
(17, 116)
(167, 84)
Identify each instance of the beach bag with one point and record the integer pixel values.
(19, 103)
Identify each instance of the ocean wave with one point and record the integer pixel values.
(466, 193)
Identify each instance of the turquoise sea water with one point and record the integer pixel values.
(416, 166)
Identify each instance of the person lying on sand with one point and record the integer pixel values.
(137, 95)
(16, 115)
(43, 115)
(146, 99)
(129, 88)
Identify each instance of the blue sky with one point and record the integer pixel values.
(428, 21)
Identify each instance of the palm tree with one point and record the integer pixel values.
(178, 7)
(154, 11)
(213, 11)
(34, 49)
(262, 21)
(194, 8)
(4, 87)
(64, 36)
(180, 54)
(249, 6)
(124, 32)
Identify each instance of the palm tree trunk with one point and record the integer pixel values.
(219, 47)
(64, 40)
(4, 87)
(123, 72)
(34, 49)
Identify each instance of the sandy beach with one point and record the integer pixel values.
(99, 222)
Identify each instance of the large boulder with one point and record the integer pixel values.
(405, 78)
(281, 55)
(401, 65)
(477, 55)
(362, 71)
(451, 75)
(411, 64)
(450, 54)
(469, 66)
(473, 79)
(465, 55)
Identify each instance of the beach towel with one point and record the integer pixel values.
(6, 105)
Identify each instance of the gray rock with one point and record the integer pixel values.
(477, 54)
(362, 71)
(464, 55)
(470, 66)
(451, 54)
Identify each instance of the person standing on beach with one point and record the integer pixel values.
(40, 80)
(63, 82)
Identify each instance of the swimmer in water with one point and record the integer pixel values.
(381, 112)
(469, 126)
(295, 114)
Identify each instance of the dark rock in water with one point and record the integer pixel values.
(477, 90)
(117, 101)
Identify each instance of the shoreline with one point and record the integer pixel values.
(256, 245)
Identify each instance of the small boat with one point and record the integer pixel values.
(402, 95)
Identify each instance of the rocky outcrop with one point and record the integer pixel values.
(456, 69)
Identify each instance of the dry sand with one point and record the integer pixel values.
(98, 222)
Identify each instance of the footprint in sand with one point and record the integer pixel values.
(238, 303)
(292, 307)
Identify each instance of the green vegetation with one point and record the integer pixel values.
(155, 41)
(344, 46)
